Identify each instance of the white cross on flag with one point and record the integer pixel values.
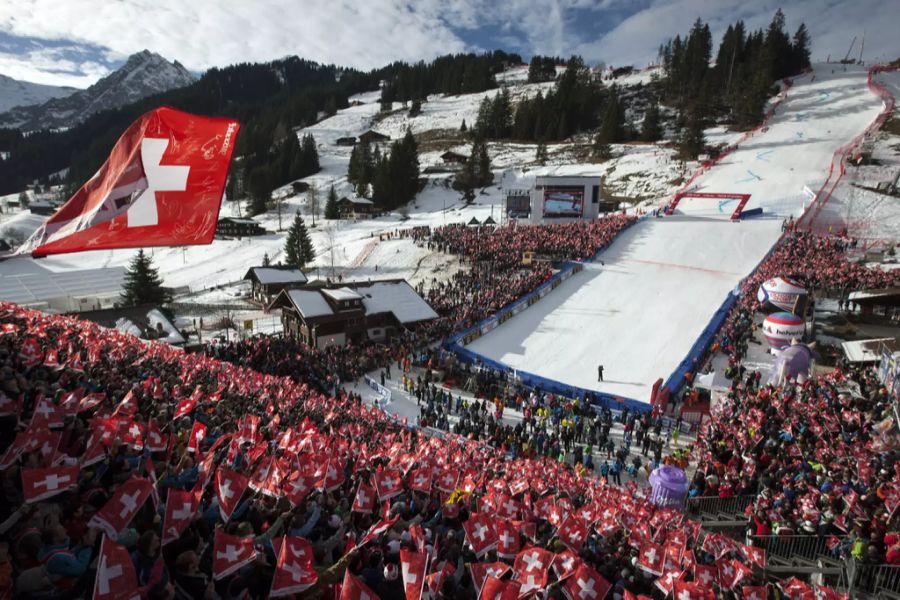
(508, 541)
(185, 407)
(388, 483)
(40, 484)
(155, 441)
(353, 588)
(706, 575)
(420, 480)
(127, 407)
(161, 186)
(297, 486)
(565, 564)
(116, 579)
(754, 555)
(294, 570)
(481, 571)
(334, 475)
(480, 533)
(573, 533)
(651, 557)
(133, 435)
(119, 510)
(447, 480)
(532, 567)
(412, 569)
(692, 591)
(586, 584)
(731, 572)
(365, 499)
(180, 510)
(230, 553)
(377, 529)
(198, 434)
(47, 414)
(755, 592)
(230, 486)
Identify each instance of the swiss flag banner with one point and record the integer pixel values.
(119, 510)
(355, 589)
(412, 569)
(116, 579)
(230, 553)
(365, 499)
(180, 510)
(161, 186)
(586, 584)
(230, 486)
(294, 570)
(40, 484)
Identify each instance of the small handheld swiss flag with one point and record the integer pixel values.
(116, 579)
(412, 568)
(586, 584)
(230, 486)
(230, 553)
(40, 484)
(119, 510)
(480, 533)
(161, 186)
(365, 499)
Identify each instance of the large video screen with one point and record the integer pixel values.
(563, 201)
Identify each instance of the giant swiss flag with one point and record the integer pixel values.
(161, 186)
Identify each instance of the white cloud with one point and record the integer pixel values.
(370, 33)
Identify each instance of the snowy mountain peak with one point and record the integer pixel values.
(23, 93)
(144, 73)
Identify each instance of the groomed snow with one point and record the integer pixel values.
(663, 279)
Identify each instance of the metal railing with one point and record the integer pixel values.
(872, 579)
(736, 505)
(791, 546)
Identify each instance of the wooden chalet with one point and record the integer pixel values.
(268, 282)
(235, 227)
(355, 207)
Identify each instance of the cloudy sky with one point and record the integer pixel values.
(75, 42)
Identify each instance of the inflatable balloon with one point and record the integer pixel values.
(794, 363)
(782, 327)
(782, 293)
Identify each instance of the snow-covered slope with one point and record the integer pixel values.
(142, 75)
(664, 278)
(24, 93)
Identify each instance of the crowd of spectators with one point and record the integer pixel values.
(97, 412)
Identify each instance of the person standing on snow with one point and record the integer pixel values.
(599, 372)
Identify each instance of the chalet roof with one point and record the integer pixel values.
(272, 275)
(342, 293)
(239, 221)
(309, 303)
(396, 297)
(355, 200)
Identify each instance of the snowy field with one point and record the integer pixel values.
(663, 279)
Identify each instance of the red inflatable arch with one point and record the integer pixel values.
(741, 198)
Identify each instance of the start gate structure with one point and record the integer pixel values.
(741, 198)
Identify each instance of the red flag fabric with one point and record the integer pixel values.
(230, 486)
(116, 579)
(755, 592)
(573, 532)
(481, 571)
(565, 564)
(180, 511)
(230, 553)
(586, 584)
(412, 568)
(651, 558)
(532, 566)
(198, 434)
(354, 588)
(480, 533)
(365, 499)
(156, 441)
(40, 484)
(294, 571)
(420, 480)
(161, 186)
(508, 540)
(377, 529)
(388, 483)
(118, 511)
(692, 591)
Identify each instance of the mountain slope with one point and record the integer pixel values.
(142, 75)
(24, 93)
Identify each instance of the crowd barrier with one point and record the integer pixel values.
(808, 547)
(873, 579)
(382, 391)
(736, 505)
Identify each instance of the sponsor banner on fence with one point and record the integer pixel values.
(382, 391)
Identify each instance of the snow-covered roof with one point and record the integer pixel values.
(358, 200)
(309, 303)
(343, 293)
(45, 285)
(238, 220)
(270, 275)
(868, 350)
(173, 336)
(396, 297)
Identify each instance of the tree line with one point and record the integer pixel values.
(389, 178)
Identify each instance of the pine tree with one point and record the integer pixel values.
(415, 108)
(540, 154)
(613, 117)
(483, 171)
(143, 284)
(463, 128)
(602, 150)
(691, 143)
(298, 249)
(331, 205)
(651, 131)
(309, 156)
(800, 50)
(260, 188)
(266, 261)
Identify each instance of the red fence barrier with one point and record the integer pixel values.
(837, 168)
